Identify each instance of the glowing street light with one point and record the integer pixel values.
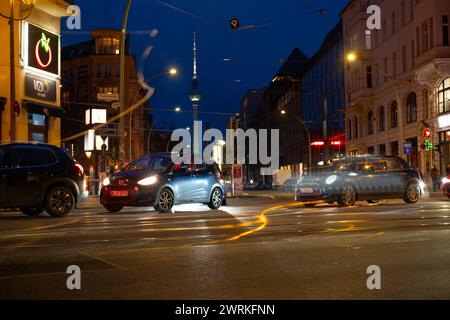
(173, 71)
(177, 109)
(351, 57)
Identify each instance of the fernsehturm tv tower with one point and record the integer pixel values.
(195, 97)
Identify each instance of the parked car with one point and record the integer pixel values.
(36, 177)
(156, 181)
(370, 178)
(446, 186)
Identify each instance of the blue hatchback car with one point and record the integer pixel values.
(156, 181)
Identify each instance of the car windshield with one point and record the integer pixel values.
(160, 163)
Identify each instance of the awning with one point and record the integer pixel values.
(3, 101)
(40, 108)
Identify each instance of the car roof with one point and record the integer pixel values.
(367, 157)
(28, 144)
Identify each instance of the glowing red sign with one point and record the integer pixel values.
(427, 133)
(43, 44)
(318, 143)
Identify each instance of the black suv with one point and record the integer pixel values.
(38, 177)
(370, 178)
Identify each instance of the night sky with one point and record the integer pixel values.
(255, 54)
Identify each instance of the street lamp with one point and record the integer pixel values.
(171, 72)
(351, 56)
(177, 109)
(283, 112)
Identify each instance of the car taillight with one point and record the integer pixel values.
(79, 168)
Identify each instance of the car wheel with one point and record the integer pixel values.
(113, 208)
(59, 201)
(32, 212)
(412, 193)
(216, 199)
(165, 201)
(347, 196)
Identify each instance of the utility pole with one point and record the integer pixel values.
(12, 73)
(122, 85)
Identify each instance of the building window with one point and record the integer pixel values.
(37, 127)
(394, 64)
(350, 137)
(355, 123)
(404, 61)
(369, 76)
(370, 123)
(381, 119)
(371, 150)
(445, 39)
(382, 149)
(411, 108)
(425, 42)
(444, 96)
(393, 23)
(425, 104)
(394, 148)
(394, 115)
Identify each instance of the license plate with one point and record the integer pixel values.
(306, 190)
(119, 193)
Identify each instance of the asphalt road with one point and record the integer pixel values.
(258, 247)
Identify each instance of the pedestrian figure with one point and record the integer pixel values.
(435, 178)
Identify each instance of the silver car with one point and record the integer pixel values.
(156, 181)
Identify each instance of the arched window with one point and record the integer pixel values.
(370, 123)
(394, 115)
(381, 119)
(444, 96)
(411, 108)
(355, 131)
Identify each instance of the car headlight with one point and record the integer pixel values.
(445, 180)
(331, 179)
(148, 181)
(106, 182)
(422, 185)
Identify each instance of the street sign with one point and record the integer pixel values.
(407, 148)
(234, 24)
(108, 132)
(427, 133)
(428, 145)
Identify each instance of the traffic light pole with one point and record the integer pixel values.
(12, 98)
(122, 84)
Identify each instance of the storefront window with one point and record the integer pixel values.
(444, 96)
(37, 127)
(444, 144)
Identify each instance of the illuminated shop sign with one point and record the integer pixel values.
(444, 121)
(40, 88)
(41, 49)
